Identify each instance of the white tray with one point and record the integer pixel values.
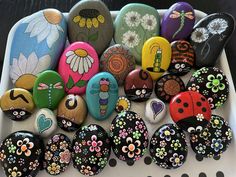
(191, 168)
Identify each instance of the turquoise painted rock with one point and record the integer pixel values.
(134, 25)
(37, 45)
(48, 90)
(102, 95)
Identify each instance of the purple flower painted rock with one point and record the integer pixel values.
(178, 21)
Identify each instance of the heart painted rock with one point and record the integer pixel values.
(102, 95)
(178, 21)
(21, 154)
(155, 110)
(90, 21)
(36, 46)
(135, 24)
(71, 112)
(91, 149)
(118, 61)
(48, 90)
(45, 122)
(57, 154)
(156, 56)
(138, 85)
(209, 37)
(17, 104)
(182, 58)
(77, 65)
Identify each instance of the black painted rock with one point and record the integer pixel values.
(129, 136)
(21, 154)
(57, 154)
(168, 147)
(90, 21)
(213, 140)
(212, 83)
(91, 149)
(209, 37)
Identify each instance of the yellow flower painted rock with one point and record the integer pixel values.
(156, 56)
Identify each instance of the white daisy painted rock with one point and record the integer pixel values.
(90, 21)
(134, 25)
(209, 37)
(37, 44)
(77, 65)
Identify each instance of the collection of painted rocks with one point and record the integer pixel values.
(54, 78)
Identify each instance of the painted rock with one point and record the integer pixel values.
(36, 46)
(129, 136)
(71, 112)
(102, 95)
(77, 65)
(118, 61)
(156, 56)
(123, 104)
(210, 36)
(155, 110)
(212, 83)
(91, 149)
(168, 147)
(213, 140)
(138, 85)
(48, 90)
(182, 58)
(134, 25)
(57, 154)
(17, 104)
(21, 154)
(178, 21)
(90, 21)
(168, 86)
(190, 111)
(45, 122)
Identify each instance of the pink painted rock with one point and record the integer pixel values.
(77, 65)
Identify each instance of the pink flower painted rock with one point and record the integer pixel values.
(77, 65)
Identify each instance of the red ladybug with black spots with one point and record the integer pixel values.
(190, 111)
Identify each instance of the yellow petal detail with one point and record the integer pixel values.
(101, 19)
(76, 19)
(95, 22)
(89, 23)
(82, 22)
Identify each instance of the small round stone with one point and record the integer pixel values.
(123, 104)
(112, 162)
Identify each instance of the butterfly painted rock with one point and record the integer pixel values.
(48, 90)
(102, 95)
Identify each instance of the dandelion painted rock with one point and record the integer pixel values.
(168, 86)
(21, 154)
(36, 46)
(91, 149)
(156, 56)
(182, 58)
(123, 104)
(134, 25)
(214, 139)
(168, 147)
(71, 112)
(45, 122)
(178, 21)
(118, 61)
(102, 95)
(77, 65)
(17, 104)
(212, 83)
(57, 154)
(90, 21)
(155, 110)
(48, 90)
(129, 136)
(190, 111)
(138, 85)
(209, 37)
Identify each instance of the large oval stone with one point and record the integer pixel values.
(36, 46)
(90, 21)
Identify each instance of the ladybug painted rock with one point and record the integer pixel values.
(190, 111)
